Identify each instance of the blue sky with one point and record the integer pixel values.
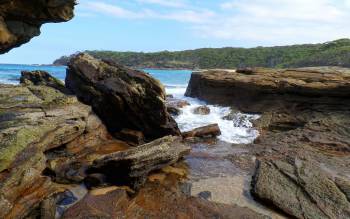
(155, 25)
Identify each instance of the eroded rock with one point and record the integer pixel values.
(153, 201)
(42, 78)
(122, 97)
(202, 132)
(131, 167)
(300, 189)
(202, 110)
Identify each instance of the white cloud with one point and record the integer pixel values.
(112, 10)
(264, 22)
(166, 3)
(280, 21)
(183, 15)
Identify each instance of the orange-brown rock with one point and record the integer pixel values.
(152, 201)
(212, 130)
(263, 88)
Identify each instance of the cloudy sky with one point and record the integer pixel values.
(154, 25)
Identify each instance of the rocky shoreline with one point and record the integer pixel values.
(304, 149)
(51, 143)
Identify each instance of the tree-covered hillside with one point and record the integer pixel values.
(326, 54)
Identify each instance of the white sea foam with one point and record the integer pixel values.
(238, 131)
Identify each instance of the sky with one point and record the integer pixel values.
(157, 25)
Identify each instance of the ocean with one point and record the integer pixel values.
(240, 131)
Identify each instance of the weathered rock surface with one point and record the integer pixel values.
(202, 110)
(202, 132)
(131, 136)
(41, 78)
(304, 146)
(153, 201)
(264, 89)
(20, 20)
(131, 167)
(300, 189)
(174, 105)
(123, 98)
(33, 119)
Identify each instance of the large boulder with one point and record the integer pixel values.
(264, 88)
(122, 97)
(20, 20)
(131, 167)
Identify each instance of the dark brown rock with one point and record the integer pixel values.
(131, 167)
(131, 136)
(202, 110)
(20, 20)
(174, 111)
(41, 78)
(205, 131)
(122, 97)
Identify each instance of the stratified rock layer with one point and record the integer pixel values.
(132, 167)
(20, 20)
(303, 151)
(262, 89)
(122, 97)
(33, 120)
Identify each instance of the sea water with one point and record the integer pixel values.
(175, 82)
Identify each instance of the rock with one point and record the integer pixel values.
(202, 110)
(42, 78)
(95, 180)
(238, 119)
(174, 106)
(169, 96)
(153, 201)
(269, 88)
(174, 111)
(48, 208)
(205, 195)
(300, 189)
(247, 71)
(177, 103)
(45, 135)
(20, 20)
(131, 167)
(122, 97)
(131, 136)
(206, 131)
(303, 148)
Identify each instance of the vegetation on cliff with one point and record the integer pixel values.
(335, 53)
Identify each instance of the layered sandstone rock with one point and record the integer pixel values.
(132, 167)
(33, 121)
(303, 151)
(263, 89)
(20, 20)
(122, 97)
